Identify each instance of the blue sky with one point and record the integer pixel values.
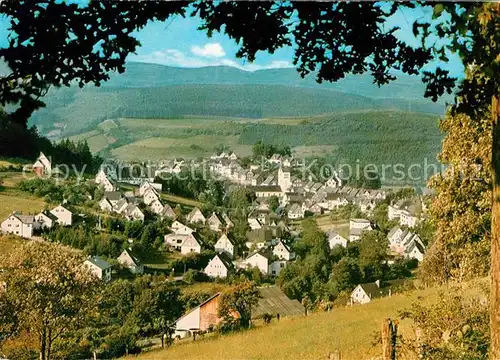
(177, 42)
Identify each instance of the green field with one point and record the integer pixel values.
(159, 148)
(15, 201)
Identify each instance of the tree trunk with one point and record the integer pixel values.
(495, 234)
(42, 345)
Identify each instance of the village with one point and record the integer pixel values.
(274, 218)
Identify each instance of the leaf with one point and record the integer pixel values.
(438, 10)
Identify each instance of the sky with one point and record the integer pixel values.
(177, 42)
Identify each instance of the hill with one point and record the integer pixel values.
(147, 75)
(351, 330)
(71, 111)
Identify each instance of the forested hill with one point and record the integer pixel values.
(146, 75)
(80, 110)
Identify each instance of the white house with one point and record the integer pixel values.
(357, 227)
(146, 186)
(186, 243)
(110, 200)
(179, 228)
(42, 165)
(282, 251)
(45, 220)
(63, 215)
(265, 262)
(105, 205)
(227, 220)
(99, 267)
(364, 293)
(407, 218)
(133, 213)
(103, 180)
(295, 212)
(254, 223)
(196, 216)
(214, 222)
(334, 239)
(150, 196)
(129, 261)
(17, 224)
(168, 212)
(157, 207)
(259, 259)
(224, 245)
(218, 267)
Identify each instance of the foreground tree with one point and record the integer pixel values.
(48, 291)
(237, 302)
(461, 210)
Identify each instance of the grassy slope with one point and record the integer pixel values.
(12, 199)
(351, 330)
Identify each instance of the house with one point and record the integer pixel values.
(105, 205)
(219, 267)
(99, 267)
(168, 212)
(157, 207)
(18, 224)
(185, 243)
(110, 198)
(406, 243)
(357, 227)
(196, 216)
(104, 181)
(45, 220)
(214, 222)
(282, 251)
(254, 223)
(179, 228)
(408, 211)
(258, 259)
(42, 166)
(224, 245)
(266, 191)
(334, 239)
(203, 317)
(364, 293)
(265, 261)
(129, 261)
(146, 186)
(133, 213)
(295, 211)
(150, 196)
(227, 220)
(63, 215)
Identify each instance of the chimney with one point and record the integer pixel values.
(377, 283)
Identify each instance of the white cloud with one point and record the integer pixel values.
(209, 50)
(174, 57)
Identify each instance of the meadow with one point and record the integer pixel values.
(353, 331)
(350, 330)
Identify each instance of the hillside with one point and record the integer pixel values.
(146, 75)
(350, 330)
(70, 111)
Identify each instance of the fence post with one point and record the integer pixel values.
(389, 338)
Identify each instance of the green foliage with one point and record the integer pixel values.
(237, 301)
(261, 150)
(461, 210)
(455, 327)
(322, 275)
